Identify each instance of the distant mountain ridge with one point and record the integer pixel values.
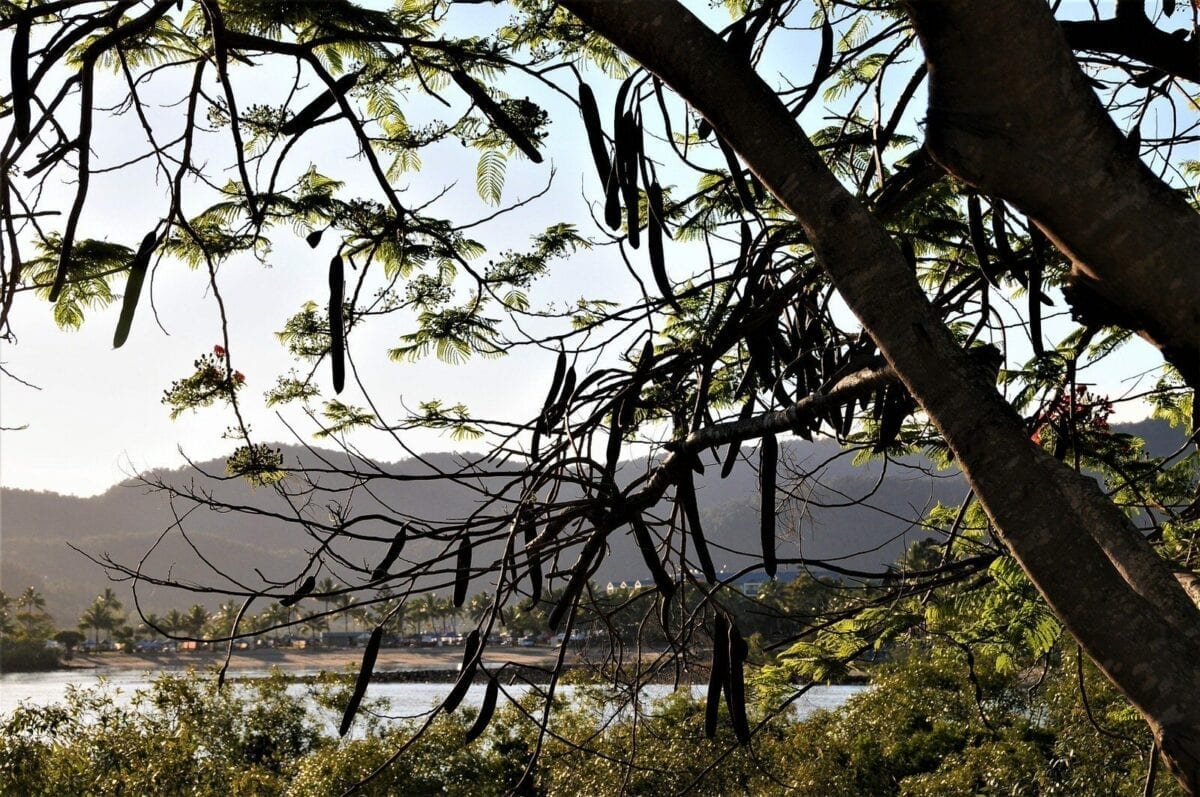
(37, 528)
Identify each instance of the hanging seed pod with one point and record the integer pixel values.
(717, 675)
(735, 447)
(628, 153)
(685, 493)
(1004, 248)
(306, 587)
(393, 553)
(556, 411)
(466, 673)
(560, 369)
(579, 577)
(133, 287)
(313, 239)
(767, 468)
(595, 133)
(364, 678)
(19, 77)
(745, 199)
(492, 110)
(486, 710)
(823, 69)
(654, 237)
(612, 453)
(645, 543)
(641, 372)
(612, 201)
(462, 572)
(527, 524)
(306, 116)
(337, 329)
(979, 239)
(735, 692)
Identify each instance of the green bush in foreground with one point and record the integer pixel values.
(930, 725)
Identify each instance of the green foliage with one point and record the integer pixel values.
(934, 722)
(260, 464)
(212, 381)
(90, 274)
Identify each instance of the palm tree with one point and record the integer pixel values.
(195, 620)
(31, 613)
(324, 587)
(316, 623)
(7, 626)
(150, 624)
(113, 603)
(479, 606)
(274, 616)
(96, 616)
(343, 603)
(174, 622)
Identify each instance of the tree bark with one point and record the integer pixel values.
(1100, 577)
(1011, 113)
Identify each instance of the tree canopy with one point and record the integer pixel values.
(911, 227)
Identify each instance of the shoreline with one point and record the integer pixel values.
(396, 661)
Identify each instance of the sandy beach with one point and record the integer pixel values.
(310, 659)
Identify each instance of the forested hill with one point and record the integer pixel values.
(865, 529)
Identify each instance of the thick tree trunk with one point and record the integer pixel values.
(1100, 577)
(1011, 113)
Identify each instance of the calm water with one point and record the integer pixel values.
(406, 698)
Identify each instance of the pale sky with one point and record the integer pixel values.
(97, 417)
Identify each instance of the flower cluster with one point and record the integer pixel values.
(1086, 411)
(212, 380)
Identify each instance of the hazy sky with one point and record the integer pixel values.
(96, 415)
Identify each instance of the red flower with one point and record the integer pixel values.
(239, 377)
(219, 350)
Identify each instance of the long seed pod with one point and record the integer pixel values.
(767, 468)
(133, 287)
(305, 117)
(612, 201)
(735, 692)
(823, 69)
(1000, 233)
(685, 492)
(579, 576)
(364, 678)
(745, 198)
(393, 552)
(486, 710)
(595, 132)
(717, 675)
(645, 544)
(644, 364)
(337, 328)
(309, 584)
(627, 171)
(735, 447)
(462, 572)
(556, 411)
(978, 238)
(492, 110)
(654, 238)
(466, 674)
(19, 74)
(526, 524)
(560, 369)
(612, 452)
(1034, 292)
